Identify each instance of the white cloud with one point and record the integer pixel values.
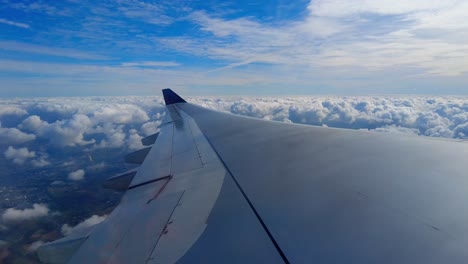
(14, 135)
(35, 245)
(13, 214)
(369, 35)
(33, 122)
(397, 129)
(69, 132)
(86, 121)
(40, 162)
(20, 155)
(97, 166)
(429, 116)
(461, 131)
(339, 8)
(134, 140)
(55, 51)
(120, 122)
(151, 127)
(120, 114)
(12, 23)
(12, 110)
(151, 64)
(77, 175)
(38, 7)
(57, 183)
(115, 136)
(151, 13)
(93, 220)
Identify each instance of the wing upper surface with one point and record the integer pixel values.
(342, 196)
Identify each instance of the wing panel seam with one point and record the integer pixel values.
(257, 215)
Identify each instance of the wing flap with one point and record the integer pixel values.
(61, 251)
(138, 156)
(120, 182)
(141, 238)
(149, 140)
(138, 209)
(158, 162)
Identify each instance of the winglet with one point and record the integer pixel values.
(171, 98)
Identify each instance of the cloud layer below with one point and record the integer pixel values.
(117, 122)
(63, 134)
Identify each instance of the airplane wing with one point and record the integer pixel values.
(220, 188)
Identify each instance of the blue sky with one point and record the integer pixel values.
(80, 48)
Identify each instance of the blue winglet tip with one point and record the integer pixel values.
(171, 98)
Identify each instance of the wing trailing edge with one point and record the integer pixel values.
(138, 156)
(149, 140)
(120, 182)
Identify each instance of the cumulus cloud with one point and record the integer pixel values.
(121, 114)
(115, 135)
(35, 245)
(12, 110)
(120, 122)
(397, 129)
(134, 140)
(151, 127)
(428, 116)
(97, 166)
(20, 155)
(99, 122)
(77, 175)
(40, 162)
(69, 132)
(92, 221)
(13, 214)
(14, 135)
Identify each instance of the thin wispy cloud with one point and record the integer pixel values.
(59, 52)
(38, 7)
(373, 36)
(12, 23)
(151, 64)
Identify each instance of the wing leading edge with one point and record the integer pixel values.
(216, 187)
